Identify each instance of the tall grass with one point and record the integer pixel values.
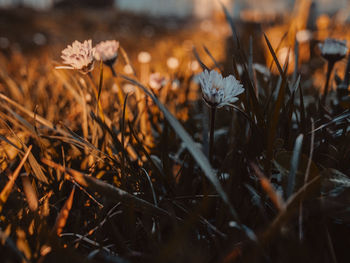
(103, 181)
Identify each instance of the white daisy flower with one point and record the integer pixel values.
(333, 49)
(107, 51)
(79, 56)
(218, 91)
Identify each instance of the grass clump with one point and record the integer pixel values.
(116, 169)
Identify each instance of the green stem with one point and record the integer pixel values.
(211, 134)
(113, 71)
(330, 67)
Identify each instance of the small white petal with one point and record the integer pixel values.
(63, 67)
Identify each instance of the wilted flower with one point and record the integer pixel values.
(79, 56)
(156, 81)
(144, 57)
(333, 49)
(218, 91)
(107, 51)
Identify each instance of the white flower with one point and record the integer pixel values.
(218, 91)
(144, 57)
(107, 51)
(333, 49)
(128, 88)
(156, 81)
(172, 63)
(79, 56)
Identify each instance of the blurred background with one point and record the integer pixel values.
(32, 23)
(179, 8)
(172, 38)
(169, 28)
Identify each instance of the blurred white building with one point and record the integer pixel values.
(37, 4)
(205, 8)
(179, 8)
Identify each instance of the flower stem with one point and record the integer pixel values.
(211, 133)
(330, 67)
(96, 93)
(112, 69)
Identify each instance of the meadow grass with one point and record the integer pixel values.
(103, 168)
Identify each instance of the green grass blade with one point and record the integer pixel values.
(294, 165)
(100, 82)
(280, 70)
(232, 26)
(196, 55)
(212, 58)
(110, 190)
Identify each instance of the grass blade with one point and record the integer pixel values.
(291, 206)
(123, 134)
(100, 82)
(110, 190)
(340, 117)
(9, 185)
(232, 26)
(30, 193)
(212, 58)
(64, 213)
(269, 189)
(31, 114)
(294, 165)
(280, 70)
(196, 55)
(278, 106)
